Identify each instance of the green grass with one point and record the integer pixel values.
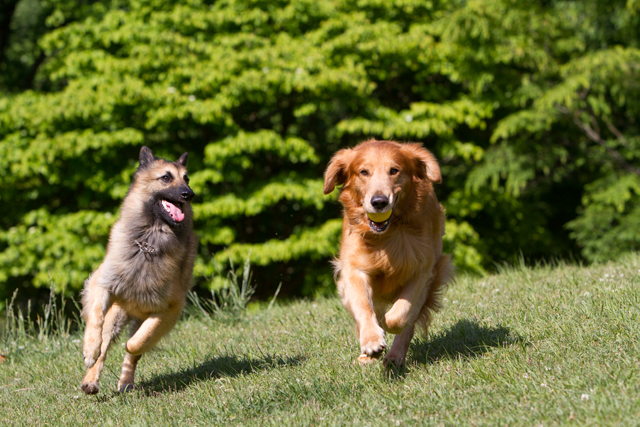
(543, 346)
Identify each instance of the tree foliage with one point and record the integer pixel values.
(531, 108)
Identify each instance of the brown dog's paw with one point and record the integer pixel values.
(91, 354)
(89, 361)
(90, 387)
(125, 387)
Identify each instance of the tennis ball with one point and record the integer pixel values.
(379, 216)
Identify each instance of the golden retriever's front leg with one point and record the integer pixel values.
(96, 301)
(356, 297)
(398, 352)
(152, 329)
(406, 309)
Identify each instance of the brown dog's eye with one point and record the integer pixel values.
(186, 179)
(393, 171)
(364, 172)
(165, 178)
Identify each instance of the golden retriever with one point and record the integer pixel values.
(391, 271)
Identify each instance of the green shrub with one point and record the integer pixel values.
(524, 103)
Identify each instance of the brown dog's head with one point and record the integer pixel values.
(380, 179)
(164, 187)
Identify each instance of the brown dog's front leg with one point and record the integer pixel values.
(96, 302)
(114, 320)
(152, 329)
(356, 297)
(126, 381)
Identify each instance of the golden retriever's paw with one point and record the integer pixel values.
(392, 326)
(391, 361)
(363, 359)
(374, 348)
(124, 387)
(395, 320)
(90, 387)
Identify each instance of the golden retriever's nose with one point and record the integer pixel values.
(379, 202)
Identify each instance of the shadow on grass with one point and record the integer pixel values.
(211, 369)
(466, 339)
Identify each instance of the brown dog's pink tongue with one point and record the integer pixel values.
(174, 211)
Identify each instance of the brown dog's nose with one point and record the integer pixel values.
(379, 202)
(187, 194)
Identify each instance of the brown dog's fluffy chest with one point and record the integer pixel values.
(145, 273)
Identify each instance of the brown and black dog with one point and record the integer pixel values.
(146, 273)
(391, 270)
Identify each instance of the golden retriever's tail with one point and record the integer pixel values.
(443, 274)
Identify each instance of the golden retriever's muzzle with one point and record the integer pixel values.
(379, 211)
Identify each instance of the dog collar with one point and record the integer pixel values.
(145, 247)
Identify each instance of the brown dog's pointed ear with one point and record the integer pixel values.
(427, 163)
(336, 173)
(146, 156)
(183, 159)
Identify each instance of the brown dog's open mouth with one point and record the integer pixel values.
(173, 209)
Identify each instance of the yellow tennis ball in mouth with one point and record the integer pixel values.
(379, 216)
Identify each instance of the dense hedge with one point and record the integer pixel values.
(531, 107)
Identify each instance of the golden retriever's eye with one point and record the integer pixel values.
(364, 172)
(394, 171)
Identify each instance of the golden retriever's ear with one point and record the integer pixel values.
(427, 164)
(336, 173)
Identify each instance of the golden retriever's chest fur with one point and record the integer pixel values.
(392, 262)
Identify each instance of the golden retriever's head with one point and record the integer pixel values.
(381, 179)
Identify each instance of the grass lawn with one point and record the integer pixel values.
(542, 346)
